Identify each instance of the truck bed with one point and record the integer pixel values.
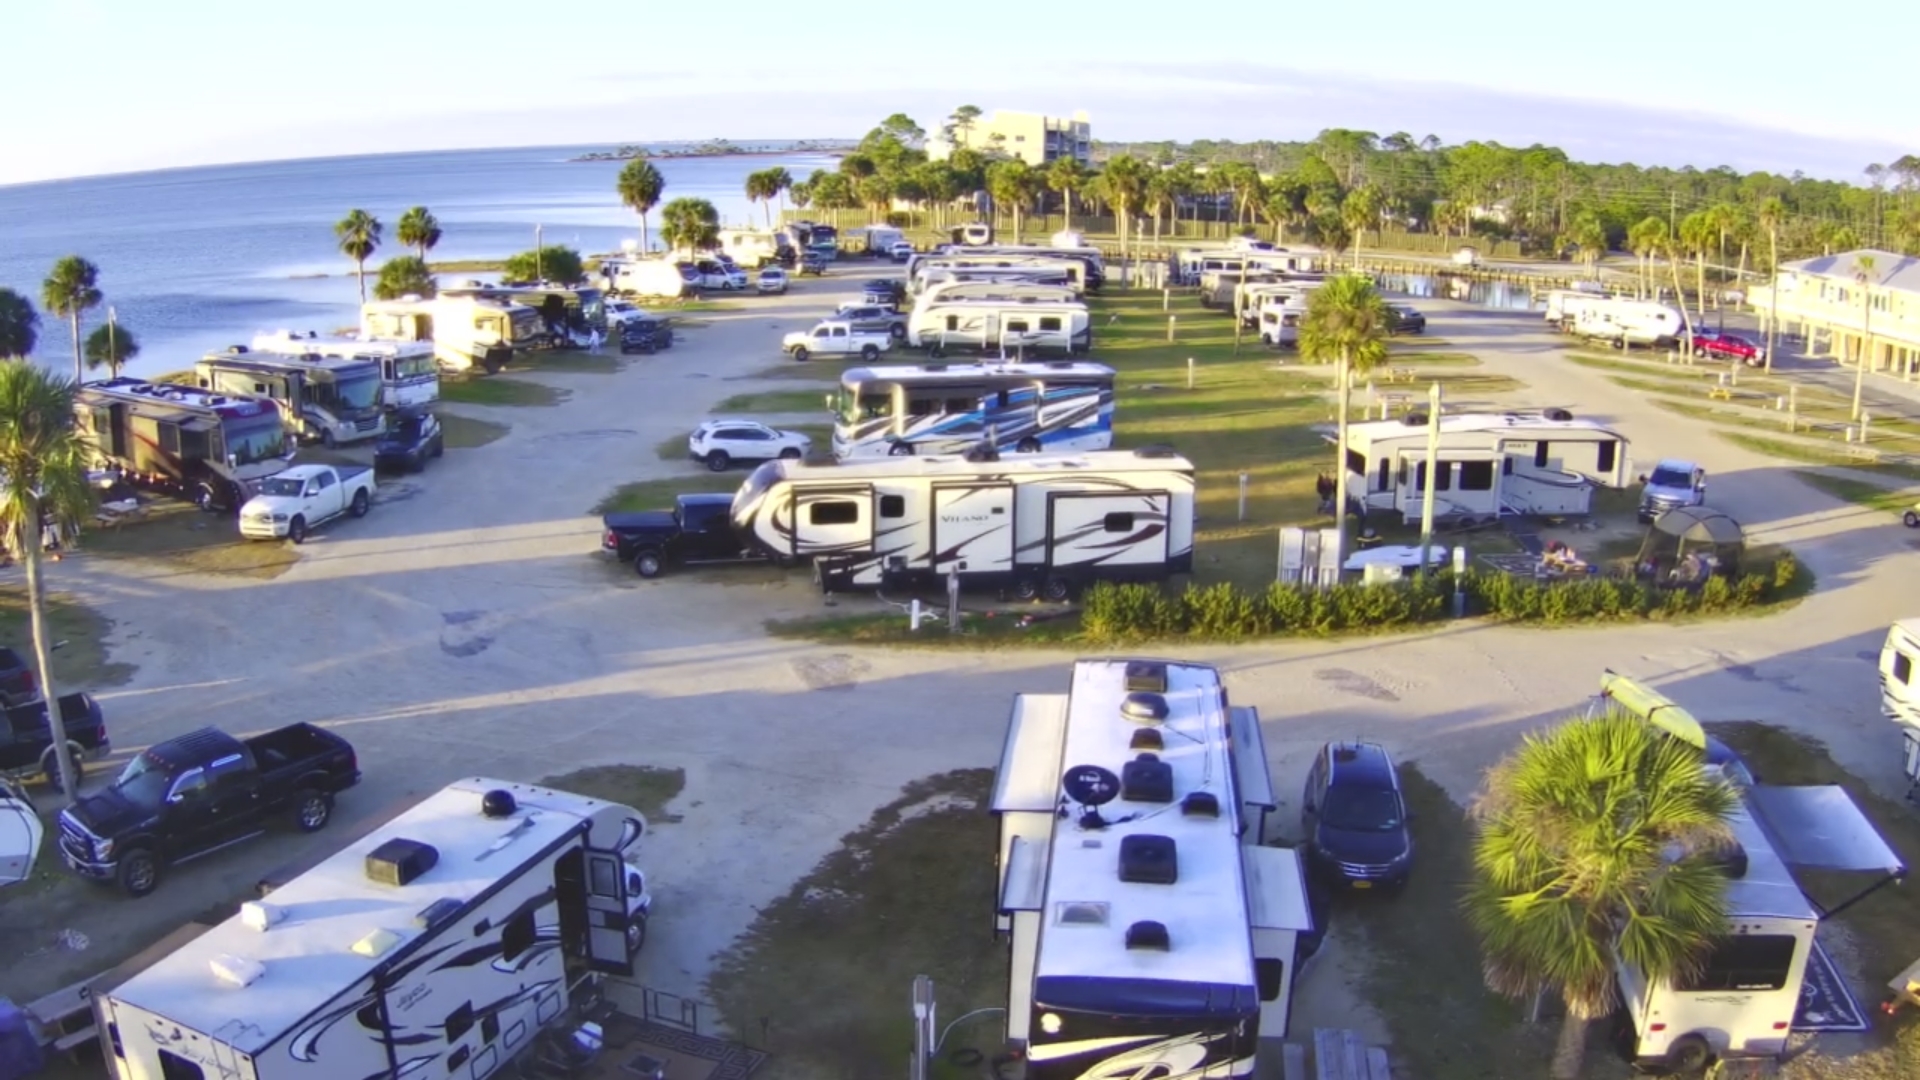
(296, 746)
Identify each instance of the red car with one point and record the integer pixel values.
(1727, 347)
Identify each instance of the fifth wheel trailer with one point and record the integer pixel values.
(439, 944)
(1035, 524)
(1490, 464)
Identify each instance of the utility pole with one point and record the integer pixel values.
(1431, 477)
(539, 271)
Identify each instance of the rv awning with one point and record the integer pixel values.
(1821, 828)
(1252, 777)
(1276, 889)
(1029, 777)
(1025, 886)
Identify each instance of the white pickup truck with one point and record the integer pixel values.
(837, 337)
(293, 502)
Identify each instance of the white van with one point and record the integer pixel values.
(644, 277)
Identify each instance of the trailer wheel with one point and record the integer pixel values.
(50, 765)
(636, 934)
(312, 810)
(1026, 588)
(139, 873)
(1056, 590)
(1028, 445)
(358, 508)
(1688, 1054)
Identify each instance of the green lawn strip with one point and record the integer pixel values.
(659, 494)
(646, 788)
(79, 664)
(571, 361)
(773, 401)
(1860, 492)
(466, 433)
(492, 390)
(1815, 454)
(909, 893)
(179, 535)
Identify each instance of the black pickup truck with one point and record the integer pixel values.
(17, 681)
(191, 796)
(699, 529)
(26, 740)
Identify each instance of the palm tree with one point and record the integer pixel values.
(782, 182)
(405, 275)
(640, 186)
(760, 188)
(1066, 175)
(359, 235)
(1345, 324)
(419, 230)
(19, 325)
(1597, 839)
(1647, 239)
(111, 347)
(71, 290)
(1771, 213)
(1012, 183)
(1123, 184)
(1360, 210)
(1696, 238)
(692, 224)
(1591, 238)
(1674, 249)
(44, 466)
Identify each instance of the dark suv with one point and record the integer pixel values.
(1356, 818)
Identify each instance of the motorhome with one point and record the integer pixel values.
(1746, 998)
(467, 333)
(1251, 296)
(1035, 524)
(1005, 327)
(878, 239)
(753, 248)
(328, 400)
(1059, 406)
(1190, 263)
(1490, 465)
(214, 449)
(932, 276)
(409, 376)
(441, 943)
(654, 279)
(1149, 931)
(566, 310)
(1625, 324)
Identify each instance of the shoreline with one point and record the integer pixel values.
(632, 153)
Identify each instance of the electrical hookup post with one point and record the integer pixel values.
(923, 1018)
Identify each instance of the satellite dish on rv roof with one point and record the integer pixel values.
(1091, 785)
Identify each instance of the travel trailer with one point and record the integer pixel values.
(977, 234)
(933, 276)
(566, 310)
(995, 290)
(1035, 524)
(1060, 406)
(1625, 324)
(214, 449)
(879, 239)
(1004, 327)
(921, 269)
(1490, 465)
(1252, 296)
(654, 279)
(1744, 1001)
(467, 333)
(1149, 931)
(324, 399)
(1900, 694)
(753, 248)
(1565, 305)
(409, 377)
(439, 944)
(1089, 257)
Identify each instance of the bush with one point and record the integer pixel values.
(1223, 612)
(551, 262)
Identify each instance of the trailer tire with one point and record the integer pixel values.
(869, 353)
(312, 809)
(1057, 590)
(900, 449)
(1688, 1055)
(138, 873)
(297, 529)
(1026, 588)
(1028, 445)
(50, 765)
(362, 502)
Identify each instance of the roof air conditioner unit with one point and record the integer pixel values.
(258, 916)
(1147, 934)
(236, 970)
(1146, 859)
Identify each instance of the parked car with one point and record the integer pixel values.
(199, 792)
(413, 438)
(720, 443)
(698, 530)
(813, 263)
(1355, 817)
(1729, 347)
(26, 739)
(645, 334)
(304, 497)
(887, 292)
(880, 318)
(17, 681)
(772, 280)
(619, 311)
(900, 250)
(1405, 320)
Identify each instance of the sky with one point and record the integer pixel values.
(147, 85)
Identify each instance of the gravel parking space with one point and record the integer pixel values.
(467, 626)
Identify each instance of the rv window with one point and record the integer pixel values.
(174, 1067)
(1049, 322)
(1902, 667)
(837, 512)
(1442, 476)
(922, 407)
(489, 1028)
(1119, 523)
(1540, 454)
(1017, 326)
(170, 439)
(1746, 962)
(1607, 451)
(1271, 975)
(102, 421)
(953, 322)
(603, 877)
(459, 1021)
(1506, 466)
(1356, 462)
(893, 506)
(1476, 476)
(517, 936)
(1386, 480)
(195, 445)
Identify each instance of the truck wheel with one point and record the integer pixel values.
(312, 810)
(1910, 519)
(790, 454)
(718, 461)
(326, 438)
(203, 497)
(636, 934)
(50, 765)
(869, 353)
(1688, 1054)
(898, 330)
(297, 529)
(139, 873)
(647, 564)
(360, 503)
(800, 353)
(1056, 590)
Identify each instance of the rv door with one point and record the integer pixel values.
(607, 913)
(973, 529)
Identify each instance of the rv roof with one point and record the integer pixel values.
(1039, 372)
(1519, 425)
(173, 399)
(308, 956)
(1768, 886)
(1205, 910)
(289, 361)
(938, 465)
(286, 343)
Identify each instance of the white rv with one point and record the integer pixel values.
(409, 375)
(1565, 305)
(994, 290)
(1624, 324)
(468, 333)
(925, 271)
(438, 945)
(1150, 933)
(1279, 324)
(1036, 524)
(1490, 465)
(1001, 327)
(1743, 1003)
(1900, 693)
(658, 279)
(752, 248)
(1251, 296)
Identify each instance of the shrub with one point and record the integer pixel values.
(1110, 612)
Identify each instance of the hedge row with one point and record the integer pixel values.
(1224, 612)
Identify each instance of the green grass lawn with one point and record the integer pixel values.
(774, 401)
(496, 391)
(80, 662)
(179, 535)
(1860, 493)
(659, 494)
(466, 433)
(1815, 454)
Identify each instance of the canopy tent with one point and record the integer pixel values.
(1688, 544)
